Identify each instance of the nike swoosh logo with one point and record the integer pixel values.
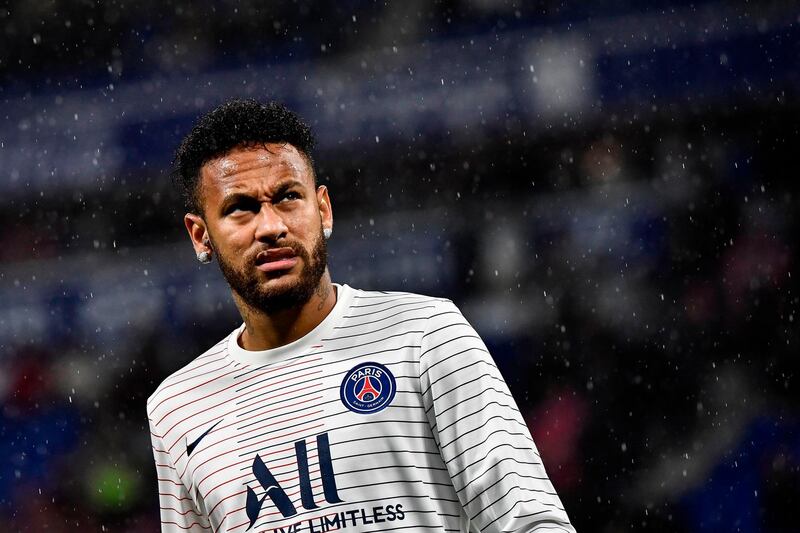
(190, 447)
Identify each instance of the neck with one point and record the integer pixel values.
(264, 331)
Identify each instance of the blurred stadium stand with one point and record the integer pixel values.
(607, 190)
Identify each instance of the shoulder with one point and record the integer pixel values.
(379, 296)
(402, 307)
(365, 301)
(186, 377)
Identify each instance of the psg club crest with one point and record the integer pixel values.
(368, 388)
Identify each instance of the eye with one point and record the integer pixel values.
(242, 205)
(289, 195)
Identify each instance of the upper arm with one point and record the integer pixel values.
(179, 511)
(487, 448)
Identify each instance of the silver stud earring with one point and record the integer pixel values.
(205, 256)
(326, 232)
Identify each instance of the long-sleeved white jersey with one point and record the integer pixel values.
(390, 415)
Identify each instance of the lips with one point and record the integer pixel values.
(276, 259)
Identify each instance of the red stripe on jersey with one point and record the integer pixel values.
(245, 446)
(190, 367)
(282, 480)
(190, 526)
(236, 463)
(262, 413)
(168, 494)
(276, 422)
(244, 461)
(290, 494)
(211, 512)
(265, 514)
(228, 425)
(221, 390)
(275, 383)
(229, 363)
(242, 447)
(180, 513)
(242, 420)
(189, 390)
(207, 409)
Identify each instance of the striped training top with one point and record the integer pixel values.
(390, 415)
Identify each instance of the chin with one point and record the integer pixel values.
(286, 292)
(280, 283)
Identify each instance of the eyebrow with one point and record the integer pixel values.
(280, 188)
(283, 186)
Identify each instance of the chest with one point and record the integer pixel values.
(291, 437)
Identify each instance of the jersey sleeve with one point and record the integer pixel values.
(489, 453)
(179, 511)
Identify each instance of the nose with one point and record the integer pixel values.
(270, 226)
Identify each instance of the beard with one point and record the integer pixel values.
(246, 283)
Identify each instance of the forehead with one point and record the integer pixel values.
(260, 167)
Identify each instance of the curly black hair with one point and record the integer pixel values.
(234, 124)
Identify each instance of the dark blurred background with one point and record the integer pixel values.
(607, 189)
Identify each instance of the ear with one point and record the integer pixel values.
(198, 232)
(325, 209)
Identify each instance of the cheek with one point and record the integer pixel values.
(305, 223)
(235, 240)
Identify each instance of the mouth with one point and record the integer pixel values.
(276, 259)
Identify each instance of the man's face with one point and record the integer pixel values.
(264, 219)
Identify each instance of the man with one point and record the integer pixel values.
(329, 408)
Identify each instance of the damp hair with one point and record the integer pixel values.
(235, 124)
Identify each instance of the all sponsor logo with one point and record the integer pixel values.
(273, 490)
(269, 488)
